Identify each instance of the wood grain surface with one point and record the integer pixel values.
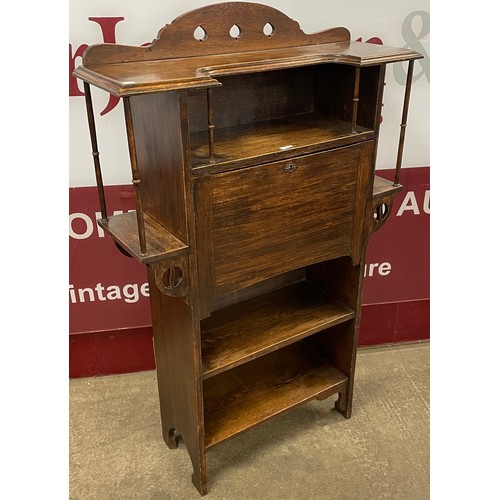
(238, 400)
(242, 332)
(179, 58)
(129, 78)
(162, 243)
(267, 221)
(159, 151)
(253, 161)
(280, 138)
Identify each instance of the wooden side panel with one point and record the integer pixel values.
(363, 200)
(177, 353)
(203, 217)
(157, 127)
(273, 218)
(338, 345)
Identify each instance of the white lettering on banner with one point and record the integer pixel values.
(89, 224)
(427, 202)
(382, 269)
(130, 293)
(410, 203)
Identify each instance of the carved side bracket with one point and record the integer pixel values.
(382, 201)
(172, 276)
(381, 209)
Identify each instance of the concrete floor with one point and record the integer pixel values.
(311, 452)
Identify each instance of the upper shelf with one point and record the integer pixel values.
(233, 40)
(272, 140)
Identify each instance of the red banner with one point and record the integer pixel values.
(398, 260)
(108, 292)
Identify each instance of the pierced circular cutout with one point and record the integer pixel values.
(235, 31)
(381, 212)
(268, 29)
(172, 277)
(200, 33)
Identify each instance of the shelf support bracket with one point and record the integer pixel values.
(171, 276)
(355, 101)
(211, 126)
(404, 117)
(95, 151)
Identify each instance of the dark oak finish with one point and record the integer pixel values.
(262, 287)
(161, 242)
(253, 162)
(176, 40)
(343, 280)
(176, 341)
(252, 98)
(242, 332)
(272, 140)
(159, 152)
(355, 101)
(311, 210)
(163, 74)
(238, 400)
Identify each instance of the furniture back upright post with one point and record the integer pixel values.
(355, 101)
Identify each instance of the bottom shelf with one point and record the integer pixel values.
(241, 398)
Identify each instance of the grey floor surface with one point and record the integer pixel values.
(311, 452)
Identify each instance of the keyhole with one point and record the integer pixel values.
(172, 277)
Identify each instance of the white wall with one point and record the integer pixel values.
(384, 19)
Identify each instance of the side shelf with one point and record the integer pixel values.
(161, 242)
(382, 187)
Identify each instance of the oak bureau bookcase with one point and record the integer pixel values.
(252, 148)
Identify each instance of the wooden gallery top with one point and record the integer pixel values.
(199, 50)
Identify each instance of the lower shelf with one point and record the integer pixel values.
(252, 393)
